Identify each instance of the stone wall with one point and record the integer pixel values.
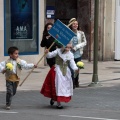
(106, 27)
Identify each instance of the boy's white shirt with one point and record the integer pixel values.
(23, 64)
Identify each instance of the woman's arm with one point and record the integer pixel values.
(43, 42)
(72, 63)
(83, 42)
(52, 54)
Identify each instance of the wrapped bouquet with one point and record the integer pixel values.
(9, 66)
(80, 65)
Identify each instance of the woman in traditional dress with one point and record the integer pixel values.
(58, 84)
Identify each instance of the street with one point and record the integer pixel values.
(34, 31)
(88, 103)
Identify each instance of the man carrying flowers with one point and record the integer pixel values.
(12, 69)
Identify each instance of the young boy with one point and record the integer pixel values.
(58, 84)
(13, 76)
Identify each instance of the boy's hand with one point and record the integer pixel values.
(35, 66)
(46, 51)
(3, 71)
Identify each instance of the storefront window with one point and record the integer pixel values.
(21, 26)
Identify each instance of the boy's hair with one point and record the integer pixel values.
(11, 50)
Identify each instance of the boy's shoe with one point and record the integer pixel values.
(7, 107)
(51, 102)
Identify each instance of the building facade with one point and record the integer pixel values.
(108, 28)
(38, 12)
(21, 25)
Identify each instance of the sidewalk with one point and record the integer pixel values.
(108, 75)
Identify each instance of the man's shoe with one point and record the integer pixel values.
(51, 102)
(7, 107)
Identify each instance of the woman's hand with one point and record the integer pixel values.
(73, 50)
(77, 71)
(47, 37)
(46, 51)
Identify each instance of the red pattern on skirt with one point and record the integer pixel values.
(48, 88)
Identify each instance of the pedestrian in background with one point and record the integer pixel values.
(78, 43)
(58, 84)
(12, 69)
(46, 42)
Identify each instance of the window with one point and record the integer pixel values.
(21, 26)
